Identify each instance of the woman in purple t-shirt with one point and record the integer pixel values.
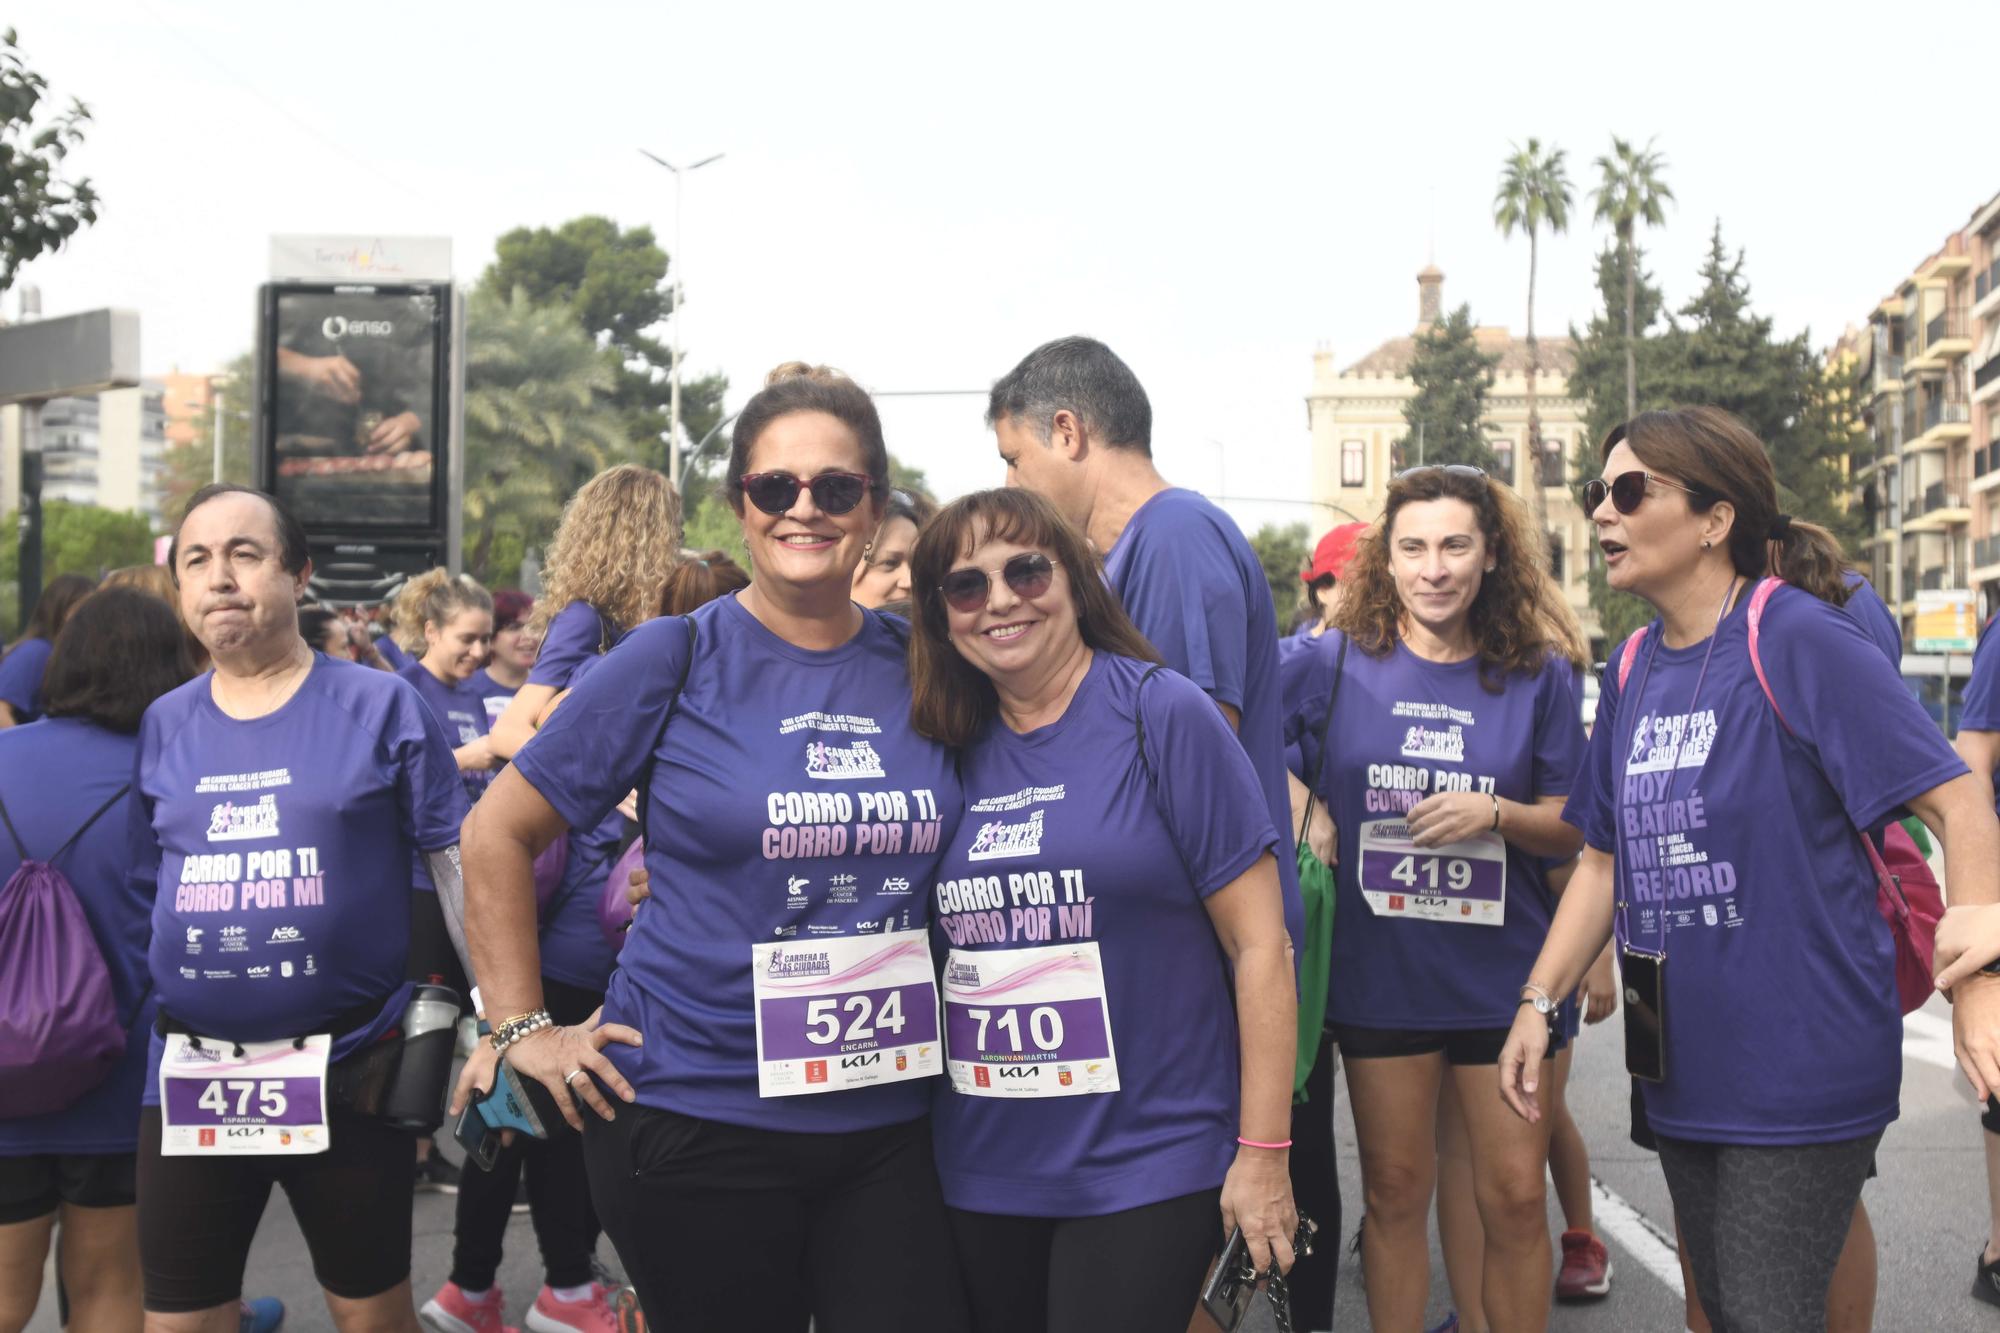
(769, 1029)
(619, 538)
(1450, 675)
(1720, 830)
(1119, 1008)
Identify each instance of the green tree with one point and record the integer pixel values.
(614, 283)
(40, 209)
(1598, 379)
(1630, 191)
(711, 525)
(1283, 551)
(191, 466)
(1452, 376)
(539, 422)
(1534, 193)
(76, 539)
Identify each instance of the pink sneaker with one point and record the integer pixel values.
(590, 1315)
(450, 1312)
(1586, 1268)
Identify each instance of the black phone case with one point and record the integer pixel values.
(1644, 976)
(479, 1139)
(1228, 1292)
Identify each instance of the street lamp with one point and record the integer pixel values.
(680, 293)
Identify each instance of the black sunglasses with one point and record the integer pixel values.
(1028, 574)
(1627, 492)
(1449, 469)
(832, 492)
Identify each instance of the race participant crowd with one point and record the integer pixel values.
(957, 919)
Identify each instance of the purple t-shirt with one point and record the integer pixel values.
(492, 693)
(1868, 609)
(281, 849)
(461, 711)
(1142, 853)
(574, 949)
(1736, 847)
(21, 670)
(53, 775)
(749, 794)
(1982, 692)
(1191, 583)
(392, 652)
(577, 632)
(1436, 955)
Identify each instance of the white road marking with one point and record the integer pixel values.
(1637, 1236)
(1927, 1037)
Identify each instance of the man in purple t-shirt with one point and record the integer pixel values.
(276, 804)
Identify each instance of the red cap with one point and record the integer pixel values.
(1334, 551)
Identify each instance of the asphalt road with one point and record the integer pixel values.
(1929, 1211)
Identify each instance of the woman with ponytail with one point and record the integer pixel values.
(1721, 845)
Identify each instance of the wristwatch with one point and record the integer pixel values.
(1543, 1002)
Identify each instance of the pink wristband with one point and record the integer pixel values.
(1252, 1143)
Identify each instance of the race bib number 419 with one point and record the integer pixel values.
(1463, 883)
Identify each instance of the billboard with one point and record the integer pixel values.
(355, 409)
(1947, 621)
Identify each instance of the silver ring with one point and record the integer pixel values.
(570, 1075)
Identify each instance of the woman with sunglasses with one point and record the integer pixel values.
(1112, 1095)
(619, 538)
(1720, 828)
(768, 1034)
(1450, 676)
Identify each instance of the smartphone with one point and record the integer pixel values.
(479, 1139)
(1644, 975)
(1232, 1286)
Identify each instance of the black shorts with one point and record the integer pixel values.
(1461, 1046)
(1989, 1119)
(36, 1185)
(431, 956)
(198, 1215)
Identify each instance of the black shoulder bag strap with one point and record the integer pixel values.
(1139, 724)
(645, 787)
(1325, 738)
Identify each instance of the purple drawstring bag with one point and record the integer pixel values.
(614, 911)
(60, 1032)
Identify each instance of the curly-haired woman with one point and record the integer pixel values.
(619, 538)
(1451, 669)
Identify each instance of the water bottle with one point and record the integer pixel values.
(416, 1098)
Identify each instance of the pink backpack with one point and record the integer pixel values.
(1907, 894)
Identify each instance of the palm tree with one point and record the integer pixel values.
(539, 420)
(1630, 191)
(1534, 193)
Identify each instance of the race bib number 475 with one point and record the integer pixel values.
(219, 1098)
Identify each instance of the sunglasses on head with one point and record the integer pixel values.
(832, 492)
(1627, 491)
(1027, 574)
(1449, 469)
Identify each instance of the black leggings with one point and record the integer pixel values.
(558, 1193)
(1764, 1226)
(754, 1230)
(1139, 1271)
(1316, 1190)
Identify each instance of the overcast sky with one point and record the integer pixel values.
(921, 193)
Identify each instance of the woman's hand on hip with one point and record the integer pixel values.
(569, 1061)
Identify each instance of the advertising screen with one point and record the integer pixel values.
(356, 380)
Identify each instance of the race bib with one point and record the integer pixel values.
(1461, 882)
(845, 1013)
(1028, 1022)
(270, 1099)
